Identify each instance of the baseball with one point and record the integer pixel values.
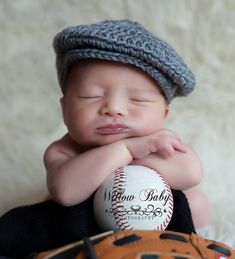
(133, 197)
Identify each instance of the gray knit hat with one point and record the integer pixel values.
(126, 42)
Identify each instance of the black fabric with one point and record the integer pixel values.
(47, 225)
(181, 220)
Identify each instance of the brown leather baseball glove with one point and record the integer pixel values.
(141, 244)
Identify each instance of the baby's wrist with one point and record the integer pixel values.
(125, 150)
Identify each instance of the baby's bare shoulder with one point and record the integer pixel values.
(60, 150)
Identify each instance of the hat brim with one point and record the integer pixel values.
(72, 56)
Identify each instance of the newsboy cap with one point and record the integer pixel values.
(126, 42)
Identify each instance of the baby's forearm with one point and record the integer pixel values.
(182, 171)
(76, 179)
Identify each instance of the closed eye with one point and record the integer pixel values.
(89, 97)
(139, 100)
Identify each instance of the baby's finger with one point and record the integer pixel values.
(166, 150)
(169, 133)
(179, 146)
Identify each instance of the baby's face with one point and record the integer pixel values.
(108, 101)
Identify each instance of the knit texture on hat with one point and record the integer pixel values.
(126, 42)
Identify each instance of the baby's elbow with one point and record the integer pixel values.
(193, 168)
(195, 172)
(61, 196)
(62, 199)
(58, 197)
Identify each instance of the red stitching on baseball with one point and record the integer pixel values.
(170, 203)
(119, 184)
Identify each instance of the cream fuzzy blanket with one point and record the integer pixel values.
(202, 31)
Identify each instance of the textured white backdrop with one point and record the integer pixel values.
(202, 31)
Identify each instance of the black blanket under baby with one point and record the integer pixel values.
(47, 225)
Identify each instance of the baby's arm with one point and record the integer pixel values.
(72, 176)
(182, 171)
(176, 162)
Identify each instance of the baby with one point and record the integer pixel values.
(117, 81)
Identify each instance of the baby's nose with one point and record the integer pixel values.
(114, 107)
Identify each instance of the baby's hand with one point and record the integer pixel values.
(164, 143)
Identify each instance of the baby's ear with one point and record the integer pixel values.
(167, 110)
(62, 105)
